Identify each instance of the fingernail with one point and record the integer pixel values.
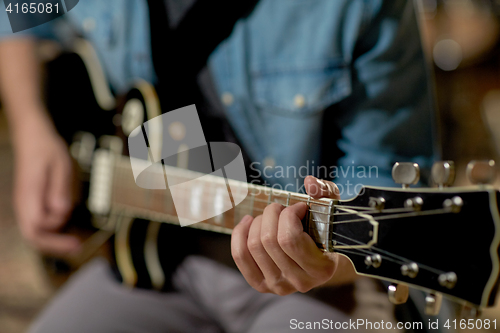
(246, 218)
(321, 184)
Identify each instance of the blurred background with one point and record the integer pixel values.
(462, 43)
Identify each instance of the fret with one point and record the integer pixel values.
(239, 212)
(218, 205)
(168, 203)
(252, 196)
(230, 216)
(239, 191)
(279, 198)
(270, 196)
(195, 201)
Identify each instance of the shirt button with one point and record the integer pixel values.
(269, 162)
(88, 24)
(227, 99)
(299, 101)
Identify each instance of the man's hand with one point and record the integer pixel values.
(43, 168)
(43, 194)
(275, 255)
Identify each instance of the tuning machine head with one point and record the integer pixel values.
(470, 311)
(481, 172)
(443, 173)
(405, 173)
(433, 304)
(398, 293)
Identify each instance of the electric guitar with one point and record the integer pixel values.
(442, 240)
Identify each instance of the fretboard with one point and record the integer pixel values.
(208, 196)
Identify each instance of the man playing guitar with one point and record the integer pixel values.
(288, 75)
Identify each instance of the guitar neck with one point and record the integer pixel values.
(208, 196)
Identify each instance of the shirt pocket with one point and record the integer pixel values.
(299, 89)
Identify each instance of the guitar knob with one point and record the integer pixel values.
(398, 293)
(433, 304)
(82, 149)
(481, 172)
(405, 173)
(443, 173)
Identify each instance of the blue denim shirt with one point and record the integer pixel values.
(118, 30)
(282, 68)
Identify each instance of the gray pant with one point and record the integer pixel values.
(209, 298)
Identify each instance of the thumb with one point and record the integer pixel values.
(318, 188)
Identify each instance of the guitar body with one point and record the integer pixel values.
(139, 258)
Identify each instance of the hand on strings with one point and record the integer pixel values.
(275, 255)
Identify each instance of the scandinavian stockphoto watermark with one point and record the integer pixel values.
(26, 14)
(356, 175)
(176, 139)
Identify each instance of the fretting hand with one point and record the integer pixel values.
(275, 255)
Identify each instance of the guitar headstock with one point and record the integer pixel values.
(442, 240)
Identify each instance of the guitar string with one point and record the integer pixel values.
(399, 216)
(264, 190)
(367, 210)
(371, 211)
(353, 252)
(278, 194)
(410, 213)
(385, 254)
(363, 252)
(312, 201)
(359, 220)
(379, 218)
(402, 259)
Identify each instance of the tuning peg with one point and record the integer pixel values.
(433, 304)
(448, 280)
(405, 173)
(398, 293)
(443, 173)
(469, 311)
(481, 172)
(373, 260)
